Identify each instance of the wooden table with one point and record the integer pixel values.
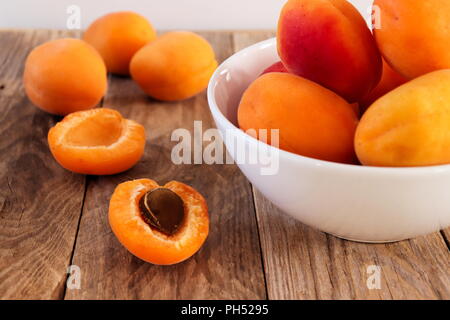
(51, 218)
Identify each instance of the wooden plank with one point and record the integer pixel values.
(302, 263)
(228, 266)
(446, 234)
(40, 202)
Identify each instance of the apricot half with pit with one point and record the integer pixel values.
(159, 224)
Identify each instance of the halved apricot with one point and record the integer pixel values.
(159, 224)
(98, 141)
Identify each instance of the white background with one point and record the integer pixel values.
(164, 14)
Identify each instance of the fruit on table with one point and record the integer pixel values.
(97, 141)
(276, 67)
(175, 66)
(390, 80)
(159, 224)
(410, 126)
(328, 42)
(65, 75)
(414, 35)
(118, 36)
(312, 120)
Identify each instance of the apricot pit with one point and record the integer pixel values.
(162, 209)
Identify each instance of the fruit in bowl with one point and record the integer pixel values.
(328, 42)
(410, 126)
(313, 121)
(414, 35)
(362, 203)
(330, 60)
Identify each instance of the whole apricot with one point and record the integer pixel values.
(65, 75)
(409, 126)
(276, 67)
(175, 66)
(117, 37)
(312, 120)
(390, 80)
(328, 42)
(414, 35)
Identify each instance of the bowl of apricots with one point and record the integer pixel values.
(342, 125)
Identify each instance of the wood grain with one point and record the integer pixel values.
(302, 263)
(229, 265)
(41, 204)
(39, 201)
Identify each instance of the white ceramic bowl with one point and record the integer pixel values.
(359, 203)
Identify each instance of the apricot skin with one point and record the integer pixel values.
(175, 66)
(276, 67)
(414, 36)
(390, 80)
(410, 126)
(328, 42)
(117, 37)
(65, 75)
(313, 121)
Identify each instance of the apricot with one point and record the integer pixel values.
(117, 37)
(98, 141)
(413, 36)
(312, 120)
(409, 126)
(159, 224)
(390, 80)
(276, 67)
(175, 66)
(65, 75)
(328, 42)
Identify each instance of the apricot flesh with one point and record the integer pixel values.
(328, 42)
(410, 126)
(117, 37)
(65, 75)
(175, 66)
(414, 36)
(97, 142)
(147, 243)
(312, 120)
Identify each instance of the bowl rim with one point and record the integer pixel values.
(217, 114)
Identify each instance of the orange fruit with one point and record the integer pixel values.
(98, 141)
(175, 66)
(177, 238)
(65, 75)
(118, 36)
(390, 80)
